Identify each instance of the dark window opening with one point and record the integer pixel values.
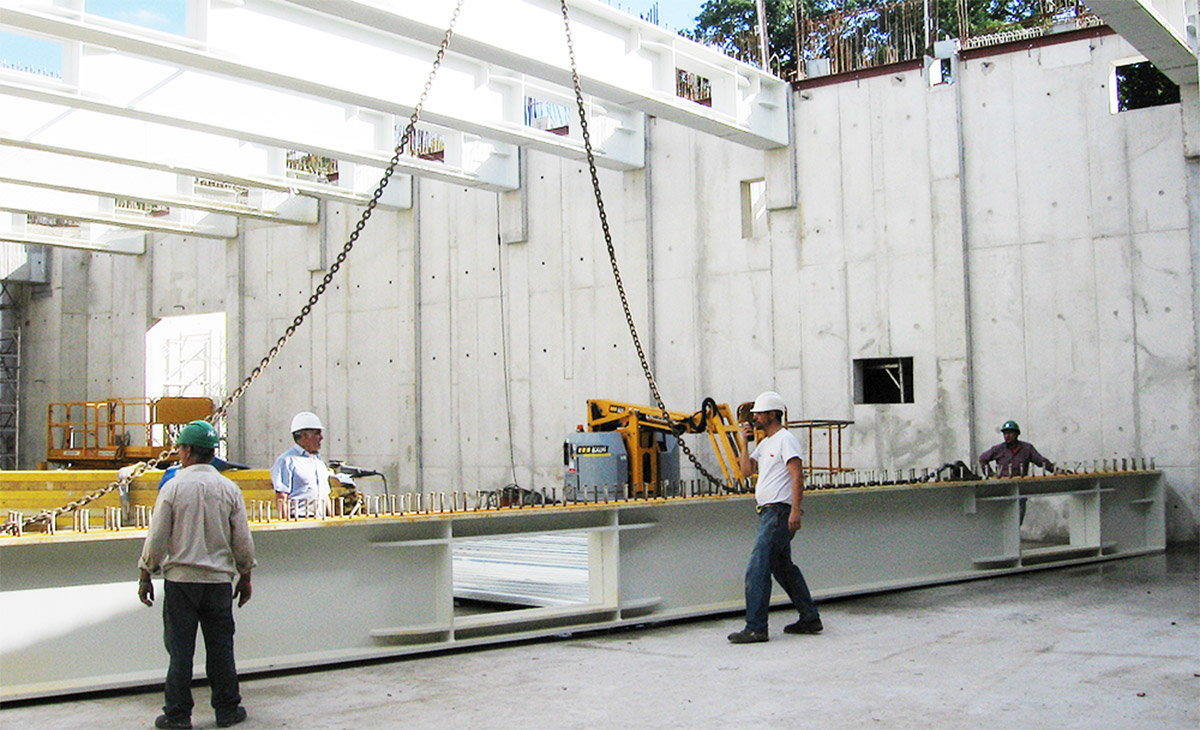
(1141, 85)
(883, 380)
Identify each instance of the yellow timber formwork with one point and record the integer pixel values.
(30, 492)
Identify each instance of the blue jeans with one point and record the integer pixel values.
(209, 606)
(772, 556)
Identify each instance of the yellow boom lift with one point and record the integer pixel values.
(648, 437)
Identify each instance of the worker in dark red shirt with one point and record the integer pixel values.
(1013, 456)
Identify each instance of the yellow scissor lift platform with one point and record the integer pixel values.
(112, 433)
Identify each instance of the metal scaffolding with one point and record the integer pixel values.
(10, 378)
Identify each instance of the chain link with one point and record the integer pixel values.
(612, 258)
(358, 227)
(141, 467)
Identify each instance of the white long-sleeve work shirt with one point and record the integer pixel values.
(199, 532)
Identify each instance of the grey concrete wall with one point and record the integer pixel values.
(881, 263)
(1032, 252)
(1081, 266)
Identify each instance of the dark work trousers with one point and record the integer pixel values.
(772, 556)
(209, 606)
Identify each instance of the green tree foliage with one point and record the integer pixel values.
(731, 25)
(1141, 85)
(991, 15)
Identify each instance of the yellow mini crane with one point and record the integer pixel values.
(648, 435)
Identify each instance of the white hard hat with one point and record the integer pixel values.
(769, 401)
(306, 419)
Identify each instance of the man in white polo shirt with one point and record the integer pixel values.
(778, 461)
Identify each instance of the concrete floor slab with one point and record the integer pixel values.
(1115, 645)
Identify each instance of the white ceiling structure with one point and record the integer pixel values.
(148, 131)
(1161, 30)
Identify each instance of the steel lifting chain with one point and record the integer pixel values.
(612, 259)
(405, 138)
(358, 227)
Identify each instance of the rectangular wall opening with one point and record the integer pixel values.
(30, 55)
(185, 357)
(1045, 522)
(1137, 84)
(754, 208)
(166, 16)
(547, 116)
(883, 380)
(308, 166)
(424, 144)
(693, 87)
(512, 583)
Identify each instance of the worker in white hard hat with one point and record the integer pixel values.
(778, 461)
(299, 476)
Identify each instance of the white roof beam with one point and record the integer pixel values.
(265, 45)
(16, 228)
(106, 179)
(620, 58)
(1154, 35)
(204, 103)
(55, 128)
(129, 242)
(92, 209)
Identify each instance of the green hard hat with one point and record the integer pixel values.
(198, 433)
(1010, 426)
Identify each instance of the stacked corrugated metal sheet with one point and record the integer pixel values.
(526, 570)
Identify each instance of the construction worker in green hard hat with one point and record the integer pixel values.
(199, 540)
(1012, 457)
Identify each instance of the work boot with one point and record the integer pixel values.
(804, 626)
(238, 715)
(167, 722)
(746, 636)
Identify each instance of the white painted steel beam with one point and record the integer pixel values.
(202, 103)
(73, 622)
(128, 242)
(59, 129)
(257, 78)
(14, 228)
(90, 209)
(621, 58)
(263, 54)
(1154, 35)
(106, 179)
